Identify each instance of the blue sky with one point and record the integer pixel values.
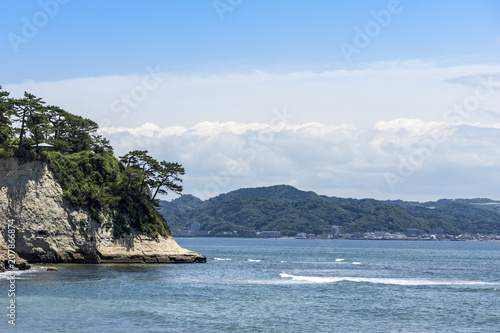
(100, 38)
(219, 75)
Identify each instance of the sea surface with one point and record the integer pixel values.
(271, 285)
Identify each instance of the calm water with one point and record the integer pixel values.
(251, 285)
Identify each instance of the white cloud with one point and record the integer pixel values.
(383, 91)
(340, 160)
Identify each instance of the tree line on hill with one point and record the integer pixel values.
(291, 211)
(27, 122)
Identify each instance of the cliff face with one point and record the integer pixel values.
(48, 229)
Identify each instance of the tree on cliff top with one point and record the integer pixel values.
(27, 122)
(150, 176)
(29, 111)
(166, 175)
(5, 111)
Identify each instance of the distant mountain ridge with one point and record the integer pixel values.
(290, 210)
(276, 192)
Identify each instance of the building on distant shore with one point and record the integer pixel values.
(335, 229)
(192, 231)
(270, 234)
(414, 232)
(247, 233)
(184, 232)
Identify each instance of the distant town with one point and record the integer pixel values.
(438, 234)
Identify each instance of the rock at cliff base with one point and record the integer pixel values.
(50, 229)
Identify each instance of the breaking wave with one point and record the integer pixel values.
(400, 282)
(19, 275)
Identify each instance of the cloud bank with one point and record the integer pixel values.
(402, 158)
(382, 91)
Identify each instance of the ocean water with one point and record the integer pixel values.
(271, 285)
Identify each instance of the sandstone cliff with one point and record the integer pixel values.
(49, 229)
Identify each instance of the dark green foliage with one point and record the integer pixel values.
(25, 154)
(185, 202)
(5, 153)
(98, 183)
(291, 211)
(277, 192)
(148, 176)
(30, 113)
(25, 123)
(166, 177)
(83, 225)
(5, 113)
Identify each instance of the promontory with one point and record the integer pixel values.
(68, 199)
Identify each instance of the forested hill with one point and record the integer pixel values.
(291, 211)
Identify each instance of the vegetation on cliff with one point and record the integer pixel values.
(122, 190)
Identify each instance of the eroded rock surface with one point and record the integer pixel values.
(49, 229)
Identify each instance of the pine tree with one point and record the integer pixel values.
(30, 113)
(166, 174)
(5, 113)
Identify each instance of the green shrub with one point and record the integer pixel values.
(43, 156)
(23, 154)
(6, 153)
(83, 224)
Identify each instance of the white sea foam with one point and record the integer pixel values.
(338, 260)
(254, 260)
(321, 262)
(283, 261)
(18, 274)
(222, 259)
(356, 263)
(400, 282)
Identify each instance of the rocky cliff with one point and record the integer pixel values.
(5, 264)
(49, 229)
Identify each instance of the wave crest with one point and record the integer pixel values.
(400, 282)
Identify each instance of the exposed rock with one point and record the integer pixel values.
(52, 269)
(49, 229)
(20, 263)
